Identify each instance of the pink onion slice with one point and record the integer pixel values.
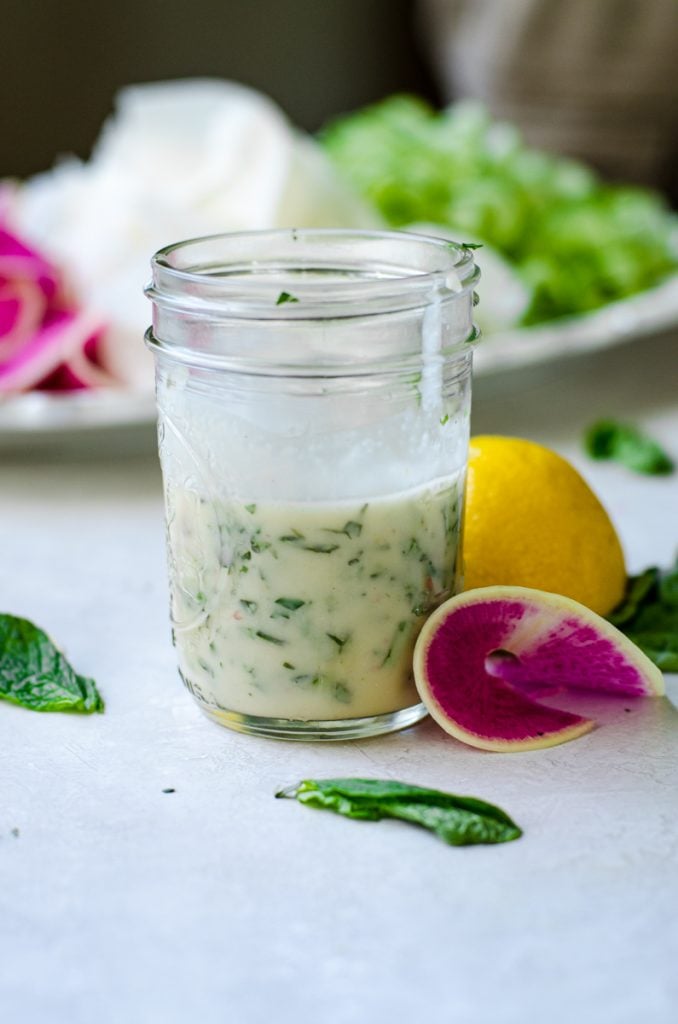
(45, 343)
(60, 340)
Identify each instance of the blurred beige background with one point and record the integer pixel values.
(595, 79)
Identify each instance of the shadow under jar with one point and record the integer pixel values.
(313, 392)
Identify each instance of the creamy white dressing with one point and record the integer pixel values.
(308, 611)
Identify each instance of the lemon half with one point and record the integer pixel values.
(532, 521)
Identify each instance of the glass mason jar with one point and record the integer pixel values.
(313, 390)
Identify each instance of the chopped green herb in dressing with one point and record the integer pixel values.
(274, 618)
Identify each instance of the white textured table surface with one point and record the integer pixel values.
(217, 903)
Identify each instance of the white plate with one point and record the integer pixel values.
(648, 312)
(103, 421)
(123, 420)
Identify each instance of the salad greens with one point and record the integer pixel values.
(35, 674)
(608, 439)
(457, 820)
(577, 242)
(648, 615)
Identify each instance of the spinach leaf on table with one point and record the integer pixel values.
(648, 615)
(457, 820)
(625, 443)
(36, 675)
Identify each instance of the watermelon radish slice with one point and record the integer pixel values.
(485, 656)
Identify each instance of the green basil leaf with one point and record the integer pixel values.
(608, 439)
(648, 615)
(285, 297)
(35, 674)
(457, 820)
(668, 588)
(660, 647)
(637, 590)
(291, 604)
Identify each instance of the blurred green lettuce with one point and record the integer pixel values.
(578, 243)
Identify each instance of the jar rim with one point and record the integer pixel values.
(335, 273)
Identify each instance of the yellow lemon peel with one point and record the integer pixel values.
(532, 521)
